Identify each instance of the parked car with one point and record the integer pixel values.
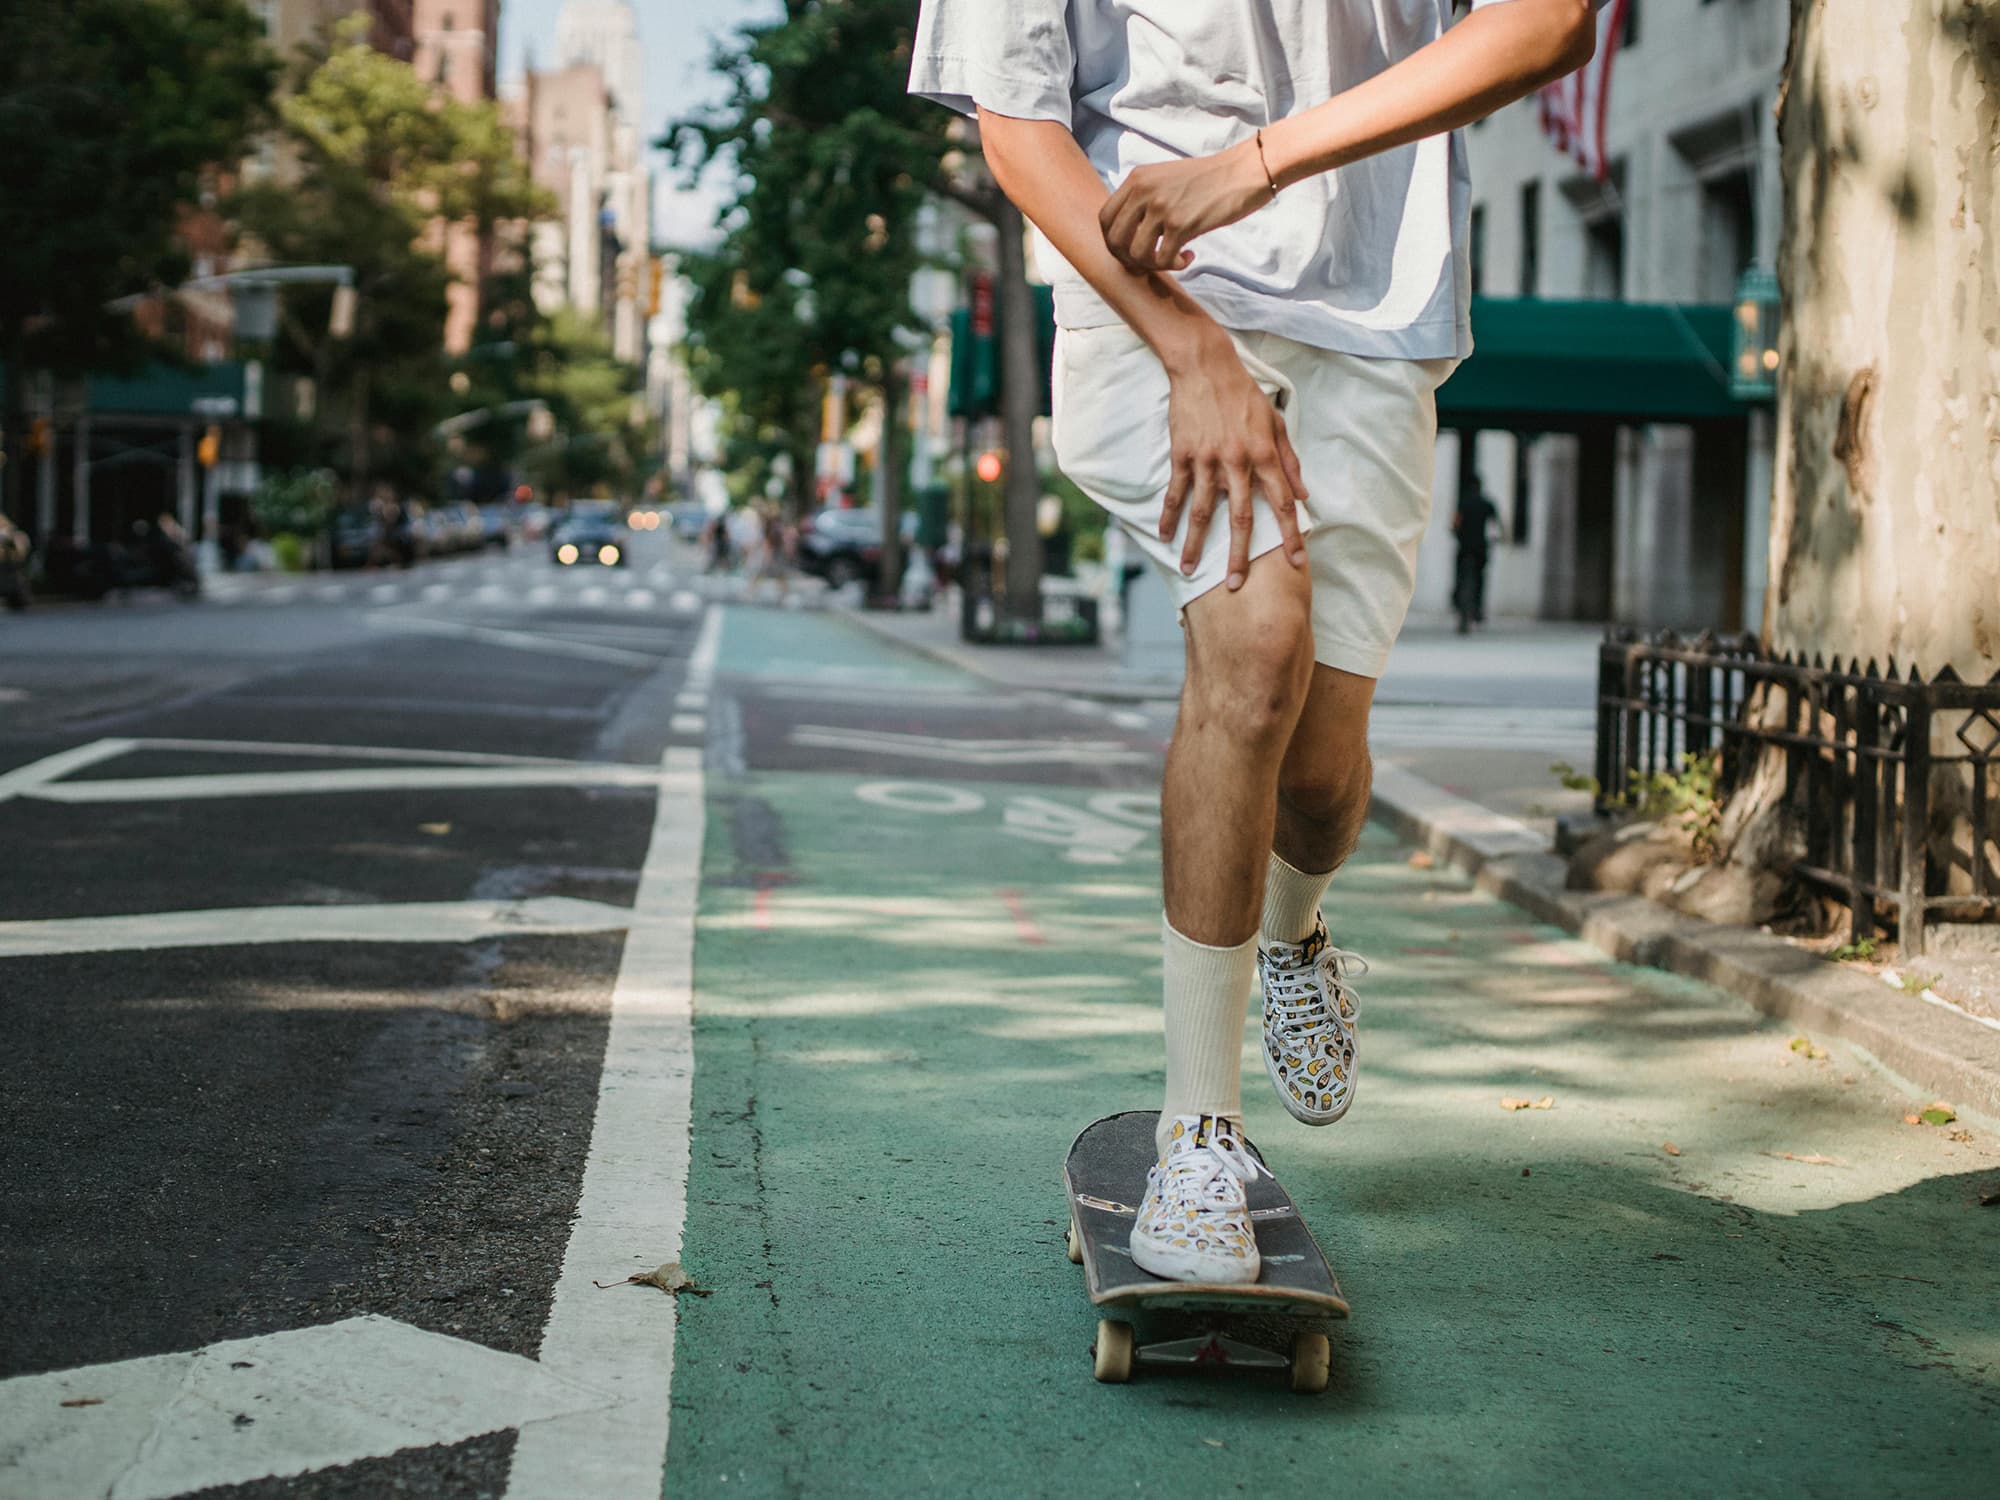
(841, 544)
(353, 536)
(689, 519)
(591, 531)
(497, 524)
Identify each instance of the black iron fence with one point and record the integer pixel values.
(1894, 782)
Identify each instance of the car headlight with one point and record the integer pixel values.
(566, 553)
(608, 554)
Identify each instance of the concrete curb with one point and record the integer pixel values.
(1939, 1052)
(1108, 685)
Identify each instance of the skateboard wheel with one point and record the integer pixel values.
(1311, 1357)
(1114, 1352)
(1075, 1245)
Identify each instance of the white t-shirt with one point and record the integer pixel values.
(1369, 259)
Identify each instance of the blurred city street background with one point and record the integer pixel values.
(579, 796)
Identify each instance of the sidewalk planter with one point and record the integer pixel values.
(1066, 620)
(1892, 778)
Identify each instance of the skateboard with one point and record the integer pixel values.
(1277, 1322)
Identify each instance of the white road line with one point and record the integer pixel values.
(23, 780)
(689, 698)
(284, 593)
(319, 783)
(331, 592)
(541, 593)
(382, 593)
(969, 752)
(687, 601)
(519, 640)
(634, 1200)
(168, 1424)
(689, 724)
(351, 752)
(641, 599)
(591, 593)
(437, 591)
(400, 922)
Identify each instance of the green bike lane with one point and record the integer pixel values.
(1713, 1264)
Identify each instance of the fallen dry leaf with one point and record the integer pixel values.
(435, 830)
(1421, 860)
(1814, 1160)
(1547, 1101)
(668, 1278)
(1214, 1442)
(1804, 1047)
(1670, 1148)
(85, 1401)
(1963, 1137)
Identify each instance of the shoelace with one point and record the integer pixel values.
(1210, 1176)
(1293, 995)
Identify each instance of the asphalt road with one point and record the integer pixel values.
(392, 967)
(223, 1136)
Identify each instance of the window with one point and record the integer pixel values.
(1531, 237)
(1476, 248)
(1728, 234)
(1604, 258)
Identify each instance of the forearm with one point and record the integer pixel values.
(1039, 166)
(1494, 56)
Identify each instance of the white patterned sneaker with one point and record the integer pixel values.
(1194, 1222)
(1309, 1024)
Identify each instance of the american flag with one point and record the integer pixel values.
(1573, 107)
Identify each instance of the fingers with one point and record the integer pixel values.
(1242, 521)
(1281, 494)
(1136, 232)
(1289, 457)
(1178, 485)
(1199, 514)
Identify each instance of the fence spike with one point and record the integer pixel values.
(1873, 670)
(1947, 673)
(1916, 677)
(1818, 664)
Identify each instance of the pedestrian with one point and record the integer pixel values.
(1238, 334)
(1472, 525)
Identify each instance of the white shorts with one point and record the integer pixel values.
(1365, 431)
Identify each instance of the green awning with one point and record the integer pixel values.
(160, 389)
(1542, 365)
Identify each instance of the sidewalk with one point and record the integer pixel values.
(1465, 732)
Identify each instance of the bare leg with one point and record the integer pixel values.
(1249, 665)
(1323, 781)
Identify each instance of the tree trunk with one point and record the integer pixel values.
(1887, 492)
(1020, 403)
(1885, 513)
(892, 458)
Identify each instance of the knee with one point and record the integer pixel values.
(1325, 788)
(1253, 675)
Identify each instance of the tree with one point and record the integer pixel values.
(834, 162)
(380, 158)
(1885, 521)
(111, 111)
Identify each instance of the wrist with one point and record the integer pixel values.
(1191, 344)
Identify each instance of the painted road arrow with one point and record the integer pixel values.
(257, 1408)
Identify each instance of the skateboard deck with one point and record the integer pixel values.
(1202, 1323)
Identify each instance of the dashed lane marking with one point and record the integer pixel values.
(401, 922)
(317, 783)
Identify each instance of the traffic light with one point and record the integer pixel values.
(990, 467)
(209, 449)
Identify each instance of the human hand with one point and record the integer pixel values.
(1228, 442)
(1158, 209)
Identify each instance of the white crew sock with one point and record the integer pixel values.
(1207, 998)
(1291, 902)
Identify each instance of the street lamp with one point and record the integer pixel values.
(1753, 362)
